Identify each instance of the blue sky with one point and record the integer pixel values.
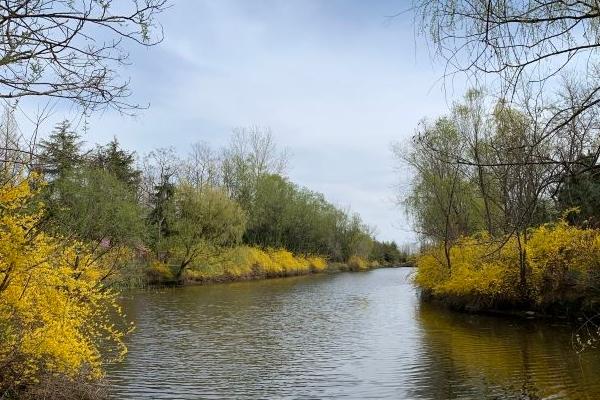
(336, 81)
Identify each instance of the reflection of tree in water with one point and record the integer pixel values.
(468, 356)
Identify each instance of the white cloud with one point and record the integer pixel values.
(335, 81)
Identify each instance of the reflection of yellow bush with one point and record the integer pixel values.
(248, 262)
(521, 359)
(562, 262)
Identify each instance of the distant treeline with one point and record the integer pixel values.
(179, 211)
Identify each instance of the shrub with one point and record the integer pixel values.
(357, 263)
(288, 263)
(249, 262)
(564, 262)
(563, 265)
(159, 272)
(317, 264)
(56, 315)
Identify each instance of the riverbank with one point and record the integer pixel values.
(240, 263)
(554, 273)
(572, 312)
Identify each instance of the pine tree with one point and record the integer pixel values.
(61, 152)
(161, 201)
(120, 163)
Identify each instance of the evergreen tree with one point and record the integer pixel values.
(161, 203)
(61, 152)
(120, 163)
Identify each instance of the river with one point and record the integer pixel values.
(348, 335)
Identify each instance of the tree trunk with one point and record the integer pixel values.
(181, 270)
(522, 266)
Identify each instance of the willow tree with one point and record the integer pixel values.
(540, 55)
(202, 220)
(442, 199)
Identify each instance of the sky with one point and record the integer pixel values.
(336, 81)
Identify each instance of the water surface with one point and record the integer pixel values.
(350, 335)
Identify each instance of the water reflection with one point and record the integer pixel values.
(492, 357)
(338, 336)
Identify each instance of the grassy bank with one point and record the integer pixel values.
(555, 270)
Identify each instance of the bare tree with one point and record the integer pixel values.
(528, 45)
(252, 153)
(69, 49)
(11, 157)
(17, 149)
(201, 167)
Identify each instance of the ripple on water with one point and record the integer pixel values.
(338, 336)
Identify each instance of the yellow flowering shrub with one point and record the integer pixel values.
(357, 263)
(159, 272)
(479, 268)
(563, 262)
(56, 317)
(262, 263)
(317, 264)
(248, 262)
(288, 263)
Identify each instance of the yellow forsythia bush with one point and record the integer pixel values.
(55, 315)
(159, 272)
(478, 268)
(562, 261)
(357, 263)
(247, 262)
(317, 264)
(288, 263)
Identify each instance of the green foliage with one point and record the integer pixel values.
(161, 205)
(251, 154)
(285, 215)
(581, 190)
(443, 199)
(481, 168)
(94, 205)
(185, 212)
(387, 253)
(61, 152)
(201, 220)
(120, 163)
